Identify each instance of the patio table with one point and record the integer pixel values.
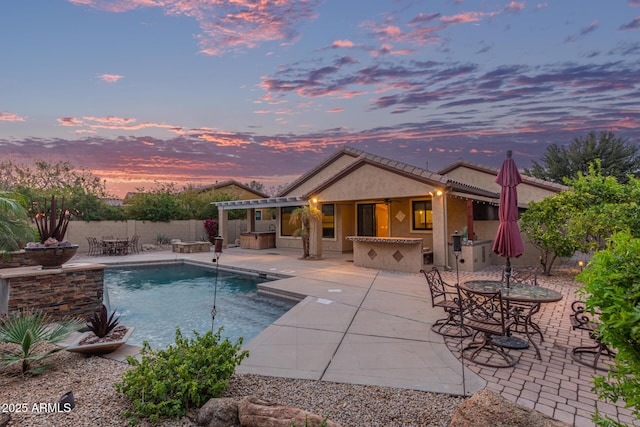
(518, 292)
(118, 246)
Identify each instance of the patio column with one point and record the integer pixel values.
(440, 242)
(223, 225)
(251, 219)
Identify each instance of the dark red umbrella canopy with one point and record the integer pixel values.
(508, 242)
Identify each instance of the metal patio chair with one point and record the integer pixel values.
(590, 355)
(445, 296)
(486, 314)
(522, 311)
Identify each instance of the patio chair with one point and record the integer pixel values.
(94, 247)
(133, 244)
(486, 314)
(522, 311)
(445, 296)
(581, 319)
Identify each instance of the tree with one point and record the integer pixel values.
(159, 204)
(612, 288)
(545, 224)
(584, 217)
(618, 158)
(258, 186)
(15, 230)
(601, 206)
(304, 215)
(48, 177)
(84, 192)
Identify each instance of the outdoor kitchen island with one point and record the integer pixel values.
(388, 253)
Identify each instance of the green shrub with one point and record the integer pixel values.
(612, 287)
(186, 375)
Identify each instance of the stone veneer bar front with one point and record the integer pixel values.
(75, 289)
(388, 253)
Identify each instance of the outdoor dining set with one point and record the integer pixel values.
(499, 314)
(109, 245)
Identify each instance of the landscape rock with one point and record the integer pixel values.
(485, 408)
(221, 412)
(255, 412)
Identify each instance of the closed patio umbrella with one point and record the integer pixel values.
(508, 241)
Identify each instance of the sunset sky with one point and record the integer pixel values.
(194, 91)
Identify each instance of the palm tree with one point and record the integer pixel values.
(304, 215)
(15, 230)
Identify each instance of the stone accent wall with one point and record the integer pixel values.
(191, 247)
(60, 292)
(15, 259)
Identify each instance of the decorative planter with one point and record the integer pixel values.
(102, 347)
(52, 256)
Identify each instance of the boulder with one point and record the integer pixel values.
(255, 412)
(485, 408)
(221, 412)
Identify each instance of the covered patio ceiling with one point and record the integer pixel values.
(271, 202)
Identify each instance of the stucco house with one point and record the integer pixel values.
(238, 191)
(396, 216)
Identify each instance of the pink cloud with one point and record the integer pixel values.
(70, 121)
(91, 124)
(11, 117)
(335, 110)
(111, 120)
(387, 49)
(110, 78)
(342, 43)
(542, 5)
(463, 18)
(634, 3)
(514, 7)
(224, 141)
(633, 25)
(226, 25)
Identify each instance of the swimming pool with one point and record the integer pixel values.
(156, 299)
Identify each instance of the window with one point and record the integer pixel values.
(422, 218)
(287, 229)
(328, 223)
(484, 212)
(258, 215)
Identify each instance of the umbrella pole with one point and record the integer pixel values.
(507, 272)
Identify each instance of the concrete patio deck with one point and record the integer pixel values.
(364, 326)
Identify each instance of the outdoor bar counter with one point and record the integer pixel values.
(388, 253)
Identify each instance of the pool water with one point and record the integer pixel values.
(157, 299)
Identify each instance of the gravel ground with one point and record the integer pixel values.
(98, 404)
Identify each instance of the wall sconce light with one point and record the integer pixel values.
(439, 193)
(580, 264)
(314, 200)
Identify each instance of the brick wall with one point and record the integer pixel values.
(58, 292)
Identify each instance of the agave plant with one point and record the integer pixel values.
(29, 330)
(101, 323)
(51, 223)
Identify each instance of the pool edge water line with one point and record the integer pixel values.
(268, 275)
